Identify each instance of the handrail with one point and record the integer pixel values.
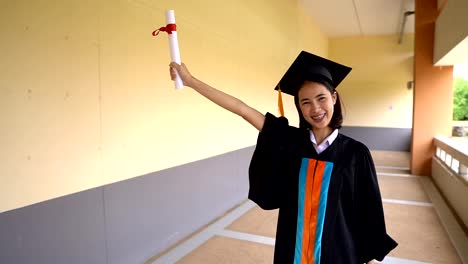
(454, 155)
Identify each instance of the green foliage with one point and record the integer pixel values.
(460, 99)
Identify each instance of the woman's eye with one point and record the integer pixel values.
(322, 99)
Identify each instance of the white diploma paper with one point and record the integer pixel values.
(174, 47)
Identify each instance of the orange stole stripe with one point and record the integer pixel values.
(307, 210)
(311, 206)
(315, 207)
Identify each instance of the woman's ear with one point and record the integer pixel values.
(334, 96)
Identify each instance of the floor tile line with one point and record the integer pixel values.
(197, 240)
(404, 202)
(397, 175)
(393, 260)
(271, 241)
(218, 228)
(232, 216)
(247, 237)
(392, 167)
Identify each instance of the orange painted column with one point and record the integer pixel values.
(433, 91)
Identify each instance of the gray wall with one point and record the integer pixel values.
(70, 229)
(128, 221)
(381, 138)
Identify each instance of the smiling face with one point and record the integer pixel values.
(317, 103)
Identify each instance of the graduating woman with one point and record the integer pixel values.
(323, 182)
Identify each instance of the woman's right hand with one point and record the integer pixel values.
(183, 72)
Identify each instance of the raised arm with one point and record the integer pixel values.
(220, 98)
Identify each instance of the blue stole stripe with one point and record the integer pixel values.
(322, 210)
(300, 210)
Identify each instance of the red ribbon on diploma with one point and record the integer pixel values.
(168, 28)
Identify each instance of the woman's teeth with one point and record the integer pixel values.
(318, 117)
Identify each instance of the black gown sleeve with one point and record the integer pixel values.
(267, 165)
(372, 240)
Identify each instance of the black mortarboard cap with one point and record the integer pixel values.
(308, 66)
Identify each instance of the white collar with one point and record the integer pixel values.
(327, 142)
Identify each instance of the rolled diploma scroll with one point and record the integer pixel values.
(174, 47)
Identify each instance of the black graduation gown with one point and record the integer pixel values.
(329, 203)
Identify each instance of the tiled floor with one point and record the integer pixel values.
(246, 234)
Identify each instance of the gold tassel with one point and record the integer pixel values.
(280, 103)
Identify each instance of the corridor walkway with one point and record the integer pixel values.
(246, 234)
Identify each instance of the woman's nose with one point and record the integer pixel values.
(315, 107)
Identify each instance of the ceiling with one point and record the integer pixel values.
(339, 18)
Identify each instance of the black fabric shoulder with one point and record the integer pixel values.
(274, 127)
(268, 162)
